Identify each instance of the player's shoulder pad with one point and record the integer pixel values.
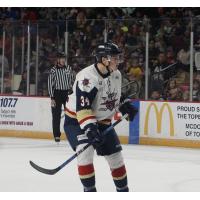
(87, 80)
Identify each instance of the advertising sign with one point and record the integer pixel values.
(34, 114)
(171, 120)
(25, 113)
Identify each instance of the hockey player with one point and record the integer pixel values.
(94, 101)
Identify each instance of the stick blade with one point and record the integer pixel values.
(43, 170)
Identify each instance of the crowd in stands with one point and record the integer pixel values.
(169, 44)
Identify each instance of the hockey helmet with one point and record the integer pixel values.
(106, 49)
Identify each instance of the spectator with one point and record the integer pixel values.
(183, 57)
(182, 77)
(186, 95)
(17, 67)
(169, 33)
(30, 14)
(135, 74)
(156, 95)
(159, 72)
(5, 60)
(135, 71)
(23, 84)
(81, 20)
(170, 56)
(153, 51)
(197, 76)
(196, 91)
(172, 91)
(7, 83)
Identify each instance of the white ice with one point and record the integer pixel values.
(149, 168)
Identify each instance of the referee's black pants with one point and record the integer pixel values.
(61, 97)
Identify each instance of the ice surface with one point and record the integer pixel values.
(149, 168)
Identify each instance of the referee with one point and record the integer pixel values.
(60, 83)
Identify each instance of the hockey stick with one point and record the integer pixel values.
(57, 169)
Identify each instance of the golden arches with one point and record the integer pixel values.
(159, 115)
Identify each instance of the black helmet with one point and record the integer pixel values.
(105, 49)
(61, 55)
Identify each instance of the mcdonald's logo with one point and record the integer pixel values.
(159, 116)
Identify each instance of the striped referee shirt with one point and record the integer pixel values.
(60, 78)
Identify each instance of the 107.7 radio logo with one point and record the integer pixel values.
(8, 102)
(8, 107)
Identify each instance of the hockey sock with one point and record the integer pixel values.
(87, 177)
(120, 179)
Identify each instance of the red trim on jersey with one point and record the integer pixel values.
(85, 169)
(87, 118)
(119, 172)
(69, 111)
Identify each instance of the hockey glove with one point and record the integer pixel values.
(94, 135)
(126, 107)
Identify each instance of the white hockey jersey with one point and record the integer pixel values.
(95, 96)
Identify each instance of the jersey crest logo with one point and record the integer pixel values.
(86, 82)
(110, 103)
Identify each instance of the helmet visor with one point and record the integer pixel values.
(118, 58)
